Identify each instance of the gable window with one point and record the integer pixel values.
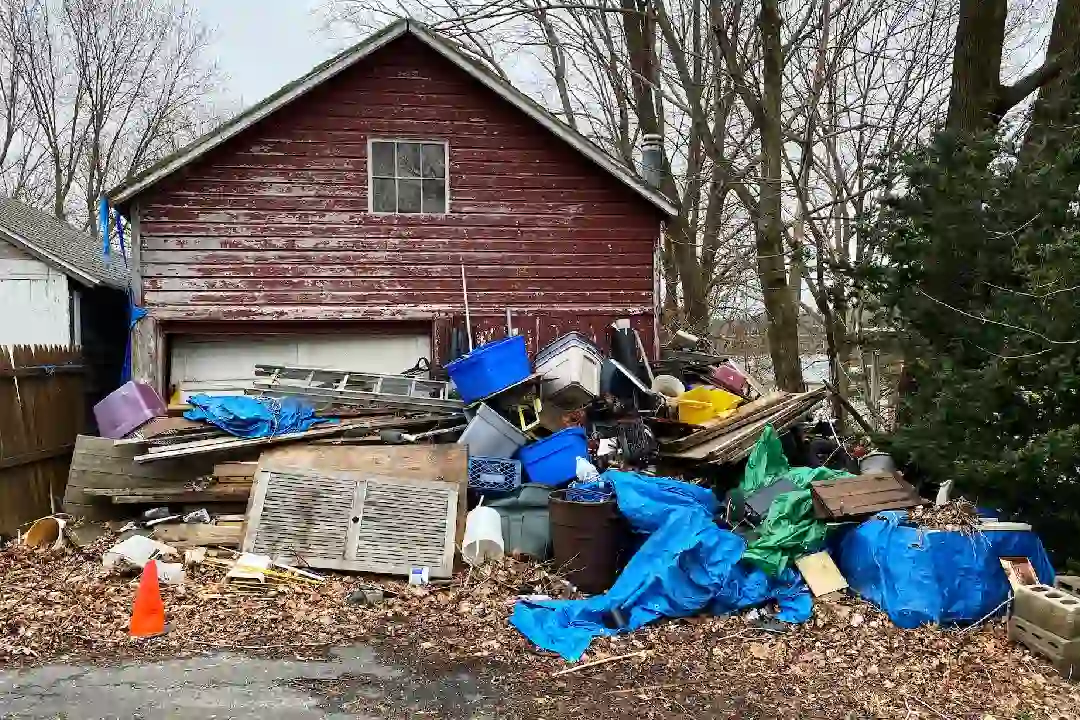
(408, 176)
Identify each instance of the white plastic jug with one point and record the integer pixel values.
(483, 536)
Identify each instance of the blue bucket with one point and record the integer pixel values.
(553, 460)
(490, 368)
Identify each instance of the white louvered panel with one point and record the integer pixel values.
(305, 515)
(406, 526)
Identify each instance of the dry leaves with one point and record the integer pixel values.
(63, 607)
(957, 515)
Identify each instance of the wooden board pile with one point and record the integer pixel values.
(731, 438)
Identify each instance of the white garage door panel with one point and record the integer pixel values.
(214, 363)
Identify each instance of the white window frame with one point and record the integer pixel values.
(371, 173)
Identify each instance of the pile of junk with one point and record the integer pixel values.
(656, 488)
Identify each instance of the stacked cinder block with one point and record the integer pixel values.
(1047, 621)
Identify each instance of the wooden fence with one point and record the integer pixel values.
(42, 411)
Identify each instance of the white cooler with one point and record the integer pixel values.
(570, 366)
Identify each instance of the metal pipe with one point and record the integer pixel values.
(509, 324)
(465, 293)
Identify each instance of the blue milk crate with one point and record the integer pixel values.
(488, 474)
(490, 368)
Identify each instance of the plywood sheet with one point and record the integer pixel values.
(821, 574)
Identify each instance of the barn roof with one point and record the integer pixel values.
(136, 185)
(54, 242)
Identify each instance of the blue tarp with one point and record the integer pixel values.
(686, 564)
(934, 576)
(252, 417)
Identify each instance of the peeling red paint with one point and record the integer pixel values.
(273, 225)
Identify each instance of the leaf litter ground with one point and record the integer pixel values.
(849, 661)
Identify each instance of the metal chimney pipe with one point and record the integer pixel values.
(652, 158)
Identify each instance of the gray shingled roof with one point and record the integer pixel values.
(74, 253)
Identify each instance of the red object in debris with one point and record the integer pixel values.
(858, 451)
(730, 379)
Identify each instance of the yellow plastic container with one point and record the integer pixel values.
(702, 404)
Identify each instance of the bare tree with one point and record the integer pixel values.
(112, 85)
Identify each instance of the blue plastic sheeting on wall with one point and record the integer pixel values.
(687, 563)
(934, 576)
(252, 417)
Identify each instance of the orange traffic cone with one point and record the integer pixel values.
(148, 615)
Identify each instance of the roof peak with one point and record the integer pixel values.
(141, 182)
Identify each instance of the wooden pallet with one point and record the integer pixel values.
(862, 495)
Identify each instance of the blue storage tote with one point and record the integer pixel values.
(553, 460)
(490, 368)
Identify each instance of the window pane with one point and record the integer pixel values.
(434, 161)
(382, 195)
(382, 159)
(408, 196)
(434, 196)
(408, 160)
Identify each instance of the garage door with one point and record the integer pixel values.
(225, 363)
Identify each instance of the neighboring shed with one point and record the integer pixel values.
(326, 226)
(55, 289)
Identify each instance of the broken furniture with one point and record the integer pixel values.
(862, 495)
(384, 509)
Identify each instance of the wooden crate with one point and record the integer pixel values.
(863, 495)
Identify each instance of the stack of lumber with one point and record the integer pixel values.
(732, 438)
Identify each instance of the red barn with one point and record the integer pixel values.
(327, 226)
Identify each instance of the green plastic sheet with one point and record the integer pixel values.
(790, 529)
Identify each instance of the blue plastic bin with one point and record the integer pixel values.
(490, 368)
(553, 460)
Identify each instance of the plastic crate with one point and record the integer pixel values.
(126, 408)
(553, 460)
(490, 368)
(489, 434)
(488, 474)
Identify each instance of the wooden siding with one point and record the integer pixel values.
(36, 301)
(273, 224)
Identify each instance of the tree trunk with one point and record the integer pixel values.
(976, 77)
(1056, 107)
(780, 304)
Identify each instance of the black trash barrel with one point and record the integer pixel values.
(585, 540)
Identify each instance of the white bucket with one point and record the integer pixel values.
(483, 536)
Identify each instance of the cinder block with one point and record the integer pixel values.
(1064, 655)
(1069, 583)
(1053, 609)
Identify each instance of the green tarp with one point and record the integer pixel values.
(790, 529)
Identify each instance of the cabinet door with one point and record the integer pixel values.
(297, 515)
(405, 525)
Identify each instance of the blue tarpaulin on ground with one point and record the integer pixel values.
(252, 417)
(687, 564)
(934, 576)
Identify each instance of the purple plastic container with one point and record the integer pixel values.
(126, 408)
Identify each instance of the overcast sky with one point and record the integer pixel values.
(262, 44)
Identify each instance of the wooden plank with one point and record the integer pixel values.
(169, 495)
(858, 485)
(752, 425)
(870, 495)
(183, 536)
(232, 444)
(821, 574)
(235, 469)
(41, 371)
(33, 457)
(743, 415)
